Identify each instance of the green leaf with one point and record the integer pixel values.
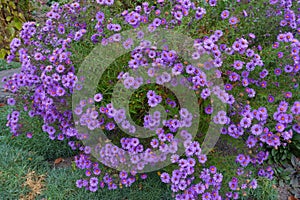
(273, 152)
(3, 52)
(294, 160)
(17, 23)
(284, 157)
(22, 17)
(8, 18)
(12, 5)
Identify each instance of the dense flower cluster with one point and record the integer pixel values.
(48, 79)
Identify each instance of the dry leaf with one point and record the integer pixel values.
(292, 198)
(36, 185)
(58, 160)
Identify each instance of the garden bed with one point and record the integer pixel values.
(200, 99)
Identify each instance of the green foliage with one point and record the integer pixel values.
(295, 176)
(13, 14)
(15, 163)
(289, 175)
(60, 185)
(266, 190)
(5, 66)
(39, 143)
(61, 2)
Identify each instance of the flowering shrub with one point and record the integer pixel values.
(260, 71)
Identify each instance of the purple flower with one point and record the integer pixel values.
(233, 20)
(208, 110)
(208, 44)
(128, 43)
(79, 183)
(165, 177)
(288, 68)
(109, 2)
(156, 22)
(213, 169)
(251, 141)
(279, 127)
(238, 64)
(100, 16)
(29, 135)
(233, 185)
(228, 86)
(275, 45)
(256, 129)
(143, 176)
(94, 181)
(288, 95)
(225, 14)
(93, 188)
(212, 2)
(251, 35)
(38, 56)
(206, 196)
(277, 71)
(11, 101)
(178, 15)
(245, 122)
(202, 158)
(253, 184)
(97, 171)
(98, 97)
(295, 109)
(88, 173)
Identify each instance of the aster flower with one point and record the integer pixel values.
(212, 2)
(11, 101)
(256, 129)
(208, 44)
(228, 86)
(165, 177)
(29, 134)
(233, 20)
(225, 14)
(206, 196)
(100, 16)
(212, 169)
(156, 22)
(253, 184)
(280, 54)
(238, 64)
(202, 158)
(288, 95)
(178, 15)
(233, 185)
(208, 110)
(79, 183)
(128, 43)
(279, 127)
(94, 181)
(245, 122)
(288, 68)
(295, 109)
(109, 2)
(251, 35)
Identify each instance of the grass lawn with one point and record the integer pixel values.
(26, 171)
(5, 66)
